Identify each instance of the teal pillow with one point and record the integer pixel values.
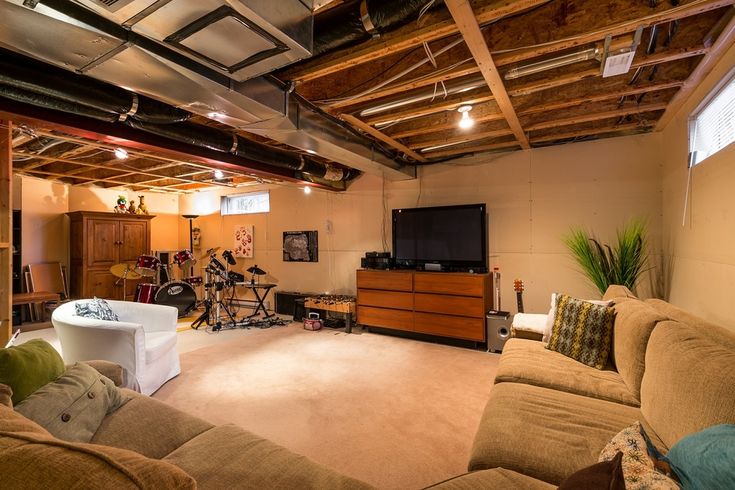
(705, 459)
(27, 367)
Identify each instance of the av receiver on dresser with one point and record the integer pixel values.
(377, 260)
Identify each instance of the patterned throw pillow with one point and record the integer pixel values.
(582, 331)
(638, 467)
(97, 309)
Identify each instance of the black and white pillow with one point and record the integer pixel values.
(98, 309)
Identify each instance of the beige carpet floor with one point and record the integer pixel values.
(393, 412)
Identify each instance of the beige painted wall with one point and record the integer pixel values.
(702, 252)
(533, 198)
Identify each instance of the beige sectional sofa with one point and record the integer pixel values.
(547, 417)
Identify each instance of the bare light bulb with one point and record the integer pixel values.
(218, 174)
(466, 122)
(307, 190)
(121, 154)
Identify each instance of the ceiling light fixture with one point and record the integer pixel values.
(218, 174)
(121, 154)
(307, 190)
(466, 122)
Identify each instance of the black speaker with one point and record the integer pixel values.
(285, 301)
(299, 310)
(498, 329)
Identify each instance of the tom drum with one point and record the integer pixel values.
(194, 280)
(147, 265)
(182, 257)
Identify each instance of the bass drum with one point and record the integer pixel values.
(178, 294)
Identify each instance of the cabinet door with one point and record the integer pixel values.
(101, 242)
(134, 238)
(101, 283)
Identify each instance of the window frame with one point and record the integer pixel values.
(226, 209)
(725, 82)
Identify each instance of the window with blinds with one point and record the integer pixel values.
(251, 203)
(712, 127)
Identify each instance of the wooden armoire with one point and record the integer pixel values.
(100, 240)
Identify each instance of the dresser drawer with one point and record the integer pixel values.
(450, 326)
(459, 284)
(450, 305)
(388, 280)
(385, 299)
(380, 317)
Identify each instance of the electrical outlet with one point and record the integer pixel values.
(328, 226)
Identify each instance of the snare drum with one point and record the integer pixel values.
(145, 292)
(147, 265)
(194, 280)
(182, 257)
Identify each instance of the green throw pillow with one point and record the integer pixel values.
(29, 366)
(705, 459)
(582, 331)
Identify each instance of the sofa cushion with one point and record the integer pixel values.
(157, 344)
(526, 361)
(230, 457)
(31, 458)
(497, 478)
(675, 313)
(72, 406)
(543, 433)
(634, 322)
(147, 426)
(28, 366)
(582, 331)
(689, 380)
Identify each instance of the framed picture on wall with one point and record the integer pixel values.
(300, 246)
(244, 241)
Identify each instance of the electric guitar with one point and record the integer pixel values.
(518, 288)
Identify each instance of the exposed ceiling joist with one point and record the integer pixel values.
(590, 132)
(457, 140)
(469, 28)
(474, 149)
(568, 121)
(435, 128)
(382, 137)
(425, 110)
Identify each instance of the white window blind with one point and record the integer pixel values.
(713, 126)
(251, 203)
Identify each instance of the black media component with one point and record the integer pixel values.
(382, 261)
(442, 238)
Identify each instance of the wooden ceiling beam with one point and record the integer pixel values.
(381, 136)
(590, 132)
(567, 121)
(458, 140)
(468, 26)
(554, 106)
(427, 110)
(654, 59)
(723, 42)
(675, 13)
(407, 37)
(443, 126)
(472, 149)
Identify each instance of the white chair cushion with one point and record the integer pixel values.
(157, 344)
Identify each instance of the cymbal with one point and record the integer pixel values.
(209, 252)
(256, 270)
(125, 270)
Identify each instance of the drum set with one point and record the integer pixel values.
(160, 286)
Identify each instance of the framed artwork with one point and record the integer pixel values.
(244, 241)
(300, 246)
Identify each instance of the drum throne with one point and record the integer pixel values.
(143, 341)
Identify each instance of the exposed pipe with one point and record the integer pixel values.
(539, 66)
(359, 20)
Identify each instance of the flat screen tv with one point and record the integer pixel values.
(447, 238)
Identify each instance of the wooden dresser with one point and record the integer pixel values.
(97, 242)
(447, 304)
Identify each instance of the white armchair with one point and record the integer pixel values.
(143, 341)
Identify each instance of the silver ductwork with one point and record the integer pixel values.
(198, 56)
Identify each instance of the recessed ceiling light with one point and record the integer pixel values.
(218, 174)
(311, 152)
(307, 190)
(121, 154)
(466, 122)
(216, 115)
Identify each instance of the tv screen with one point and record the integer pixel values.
(454, 237)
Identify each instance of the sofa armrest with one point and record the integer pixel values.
(153, 318)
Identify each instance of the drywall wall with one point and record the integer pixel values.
(699, 239)
(533, 198)
(45, 229)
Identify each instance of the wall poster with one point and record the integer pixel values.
(300, 246)
(244, 241)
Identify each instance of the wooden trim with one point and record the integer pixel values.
(403, 39)
(567, 121)
(6, 231)
(470, 29)
(704, 68)
(382, 137)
